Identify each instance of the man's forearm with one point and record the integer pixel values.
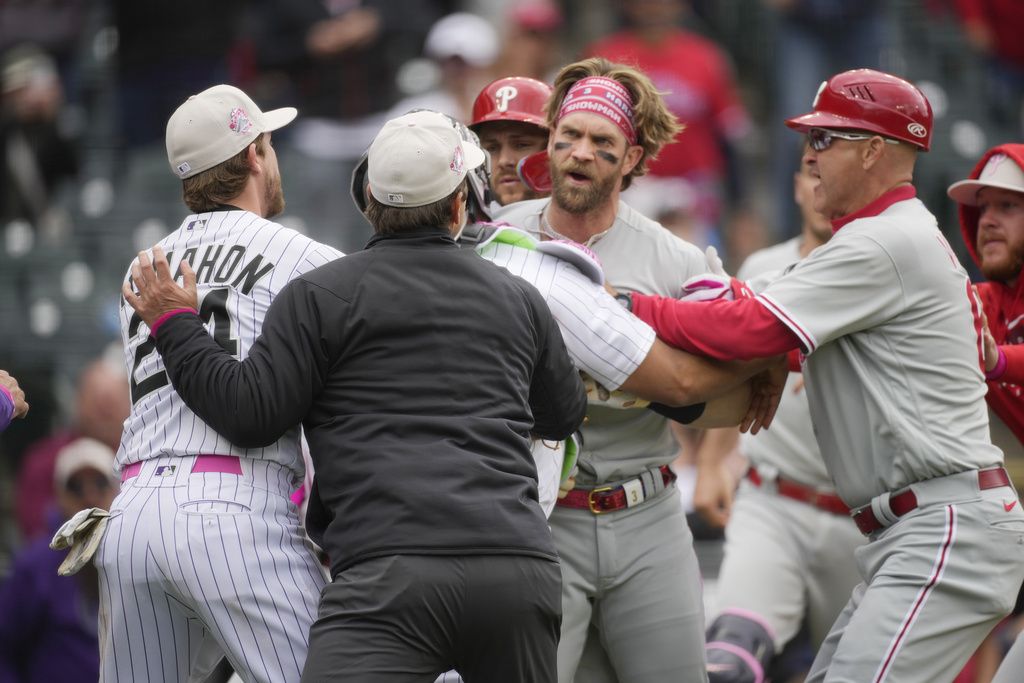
(678, 378)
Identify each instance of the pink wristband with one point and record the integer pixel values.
(163, 318)
(999, 369)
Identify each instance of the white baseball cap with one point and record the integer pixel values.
(418, 159)
(215, 125)
(464, 35)
(80, 454)
(1000, 171)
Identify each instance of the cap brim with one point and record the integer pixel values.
(816, 119)
(279, 118)
(966, 191)
(474, 155)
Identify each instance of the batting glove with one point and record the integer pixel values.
(82, 533)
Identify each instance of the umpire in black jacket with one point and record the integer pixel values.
(418, 371)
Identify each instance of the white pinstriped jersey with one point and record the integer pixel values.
(241, 262)
(602, 338)
(789, 446)
(638, 255)
(893, 375)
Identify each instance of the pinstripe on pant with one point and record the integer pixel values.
(194, 563)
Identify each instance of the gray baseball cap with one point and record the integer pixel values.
(418, 159)
(215, 125)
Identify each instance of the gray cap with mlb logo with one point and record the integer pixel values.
(215, 125)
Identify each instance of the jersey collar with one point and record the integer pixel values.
(897, 194)
(549, 233)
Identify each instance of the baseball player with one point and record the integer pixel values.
(508, 117)
(203, 550)
(12, 400)
(891, 330)
(789, 542)
(417, 405)
(614, 348)
(627, 571)
(992, 222)
(991, 203)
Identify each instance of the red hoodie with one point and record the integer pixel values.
(1005, 310)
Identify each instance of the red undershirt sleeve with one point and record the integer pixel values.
(1014, 372)
(726, 330)
(793, 361)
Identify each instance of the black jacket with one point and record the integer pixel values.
(418, 370)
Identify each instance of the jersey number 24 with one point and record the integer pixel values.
(213, 309)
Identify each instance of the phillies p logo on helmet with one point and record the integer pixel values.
(503, 95)
(513, 98)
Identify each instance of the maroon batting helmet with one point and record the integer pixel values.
(512, 99)
(864, 99)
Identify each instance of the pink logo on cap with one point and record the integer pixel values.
(458, 161)
(239, 121)
(992, 165)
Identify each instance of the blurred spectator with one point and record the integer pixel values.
(166, 52)
(54, 25)
(530, 46)
(339, 59)
(815, 39)
(35, 153)
(994, 28)
(700, 90)
(48, 623)
(101, 406)
(464, 47)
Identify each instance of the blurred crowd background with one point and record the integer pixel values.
(86, 87)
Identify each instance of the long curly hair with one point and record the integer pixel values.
(655, 125)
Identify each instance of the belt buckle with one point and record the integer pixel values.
(590, 499)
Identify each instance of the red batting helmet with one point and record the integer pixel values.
(512, 99)
(864, 99)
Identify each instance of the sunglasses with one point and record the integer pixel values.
(821, 139)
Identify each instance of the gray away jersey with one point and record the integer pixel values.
(893, 376)
(789, 446)
(638, 255)
(241, 262)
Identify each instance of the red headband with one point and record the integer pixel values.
(602, 96)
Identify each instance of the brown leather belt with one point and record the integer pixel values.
(610, 498)
(905, 501)
(827, 501)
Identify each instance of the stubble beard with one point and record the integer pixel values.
(519, 195)
(273, 195)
